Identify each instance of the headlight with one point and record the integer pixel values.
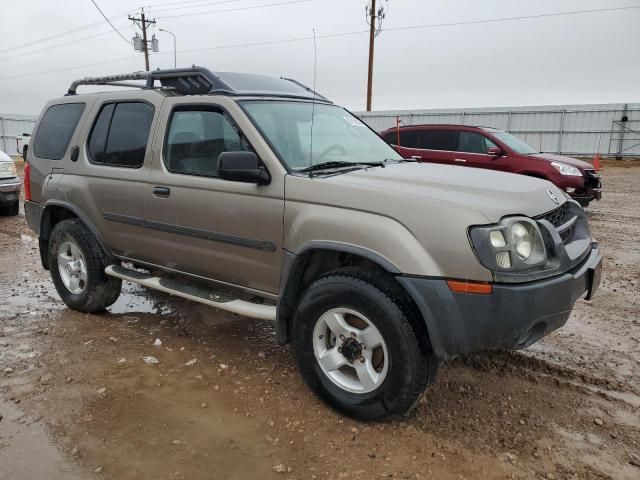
(566, 169)
(514, 244)
(7, 169)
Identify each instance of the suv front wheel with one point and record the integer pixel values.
(357, 349)
(77, 263)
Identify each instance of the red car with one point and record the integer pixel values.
(484, 147)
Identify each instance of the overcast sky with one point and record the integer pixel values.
(586, 58)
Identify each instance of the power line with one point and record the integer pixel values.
(62, 34)
(124, 14)
(44, 72)
(509, 19)
(409, 27)
(192, 1)
(109, 22)
(341, 34)
(62, 44)
(202, 3)
(236, 9)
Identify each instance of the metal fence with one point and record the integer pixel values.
(611, 129)
(11, 127)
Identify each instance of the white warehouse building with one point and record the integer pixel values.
(581, 130)
(13, 126)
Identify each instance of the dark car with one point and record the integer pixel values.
(10, 186)
(484, 147)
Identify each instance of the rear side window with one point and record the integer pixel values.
(439, 140)
(195, 140)
(471, 142)
(56, 129)
(409, 138)
(120, 134)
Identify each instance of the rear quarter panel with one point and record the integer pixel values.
(41, 168)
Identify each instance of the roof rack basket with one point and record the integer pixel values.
(187, 81)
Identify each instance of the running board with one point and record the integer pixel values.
(197, 294)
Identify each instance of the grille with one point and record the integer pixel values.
(559, 217)
(591, 179)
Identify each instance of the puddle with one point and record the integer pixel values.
(136, 299)
(27, 452)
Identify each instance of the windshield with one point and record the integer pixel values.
(338, 136)
(515, 143)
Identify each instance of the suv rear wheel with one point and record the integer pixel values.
(357, 349)
(77, 264)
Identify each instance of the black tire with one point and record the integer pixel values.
(10, 210)
(412, 365)
(100, 290)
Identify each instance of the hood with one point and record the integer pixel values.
(490, 193)
(551, 157)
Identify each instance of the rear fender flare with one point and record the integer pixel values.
(46, 227)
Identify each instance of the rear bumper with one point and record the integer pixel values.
(9, 190)
(33, 213)
(513, 316)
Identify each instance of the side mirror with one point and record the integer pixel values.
(242, 167)
(495, 151)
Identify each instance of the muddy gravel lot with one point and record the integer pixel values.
(91, 396)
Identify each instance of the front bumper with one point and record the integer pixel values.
(512, 316)
(9, 190)
(582, 189)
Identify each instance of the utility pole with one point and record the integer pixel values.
(374, 18)
(143, 23)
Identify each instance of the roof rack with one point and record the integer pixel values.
(188, 81)
(199, 81)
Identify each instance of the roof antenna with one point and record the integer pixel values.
(313, 104)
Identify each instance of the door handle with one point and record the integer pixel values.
(162, 192)
(461, 160)
(75, 151)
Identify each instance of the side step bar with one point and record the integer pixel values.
(197, 294)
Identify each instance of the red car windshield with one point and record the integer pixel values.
(515, 143)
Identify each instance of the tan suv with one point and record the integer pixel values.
(225, 187)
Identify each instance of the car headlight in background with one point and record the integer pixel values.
(7, 170)
(514, 244)
(566, 169)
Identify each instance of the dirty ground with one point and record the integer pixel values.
(91, 396)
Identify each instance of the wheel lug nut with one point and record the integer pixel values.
(361, 359)
(342, 337)
(339, 349)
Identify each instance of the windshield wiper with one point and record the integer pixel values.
(400, 160)
(334, 164)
